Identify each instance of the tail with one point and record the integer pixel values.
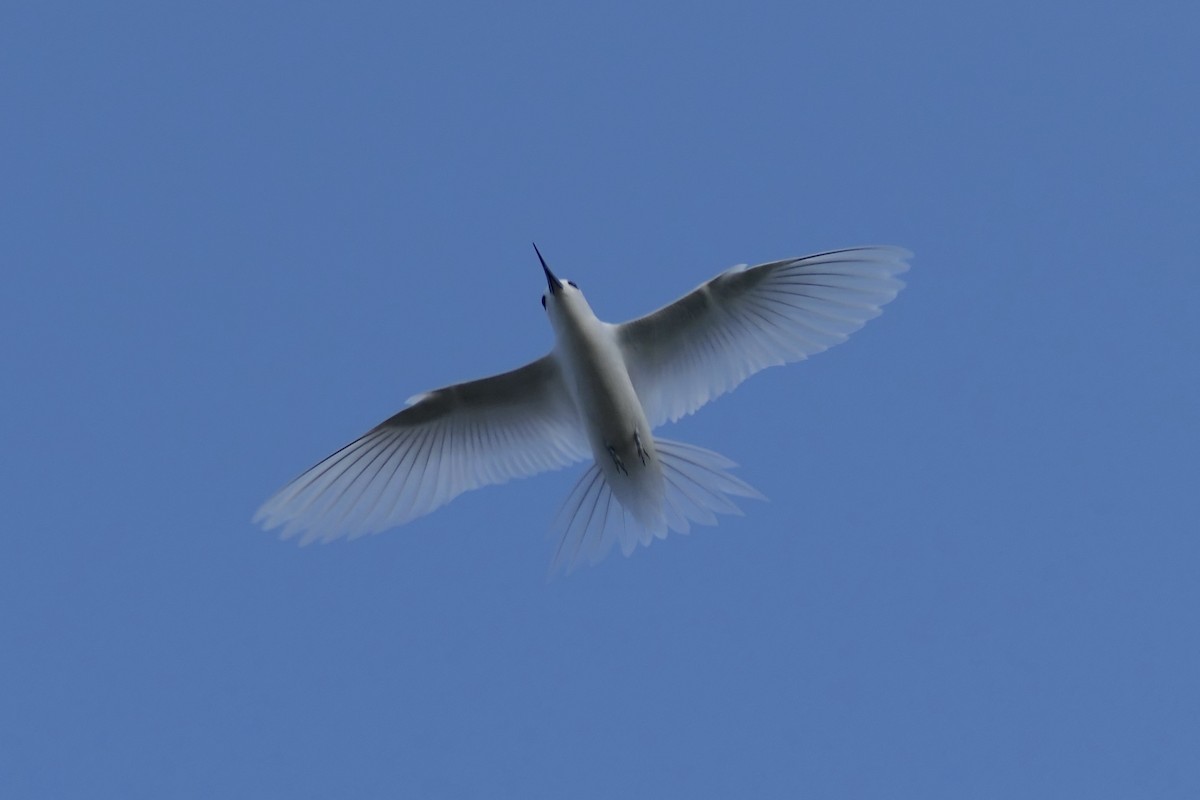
(698, 487)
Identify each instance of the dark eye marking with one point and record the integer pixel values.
(543, 301)
(572, 283)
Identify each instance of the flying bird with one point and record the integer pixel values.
(598, 396)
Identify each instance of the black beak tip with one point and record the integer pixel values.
(551, 280)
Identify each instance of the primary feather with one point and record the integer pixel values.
(447, 442)
(749, 318)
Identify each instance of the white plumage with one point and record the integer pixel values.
(599, 394)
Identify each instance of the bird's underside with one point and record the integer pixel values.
(544, 416)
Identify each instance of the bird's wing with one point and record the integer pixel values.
(446, 442)
(749, 318)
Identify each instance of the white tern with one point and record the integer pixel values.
(599, 395)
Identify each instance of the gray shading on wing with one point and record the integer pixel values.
(446, 442)
(749, 318)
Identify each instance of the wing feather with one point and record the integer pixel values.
(749, 318)
(446, 442)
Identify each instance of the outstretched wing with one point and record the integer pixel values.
(749, 318)
(446, 442)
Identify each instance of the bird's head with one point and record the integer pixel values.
(560, 296)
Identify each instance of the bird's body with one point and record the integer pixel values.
(593, 367)
(600, 392)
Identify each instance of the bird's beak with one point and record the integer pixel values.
(551, 281)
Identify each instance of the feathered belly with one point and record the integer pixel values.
(619, 434)
(633, 472)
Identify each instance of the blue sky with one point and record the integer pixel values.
(237, 235)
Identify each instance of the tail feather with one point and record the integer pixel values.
(698, 487)
(586, 521)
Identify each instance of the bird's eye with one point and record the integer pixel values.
(543, 301)
(572, 283)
